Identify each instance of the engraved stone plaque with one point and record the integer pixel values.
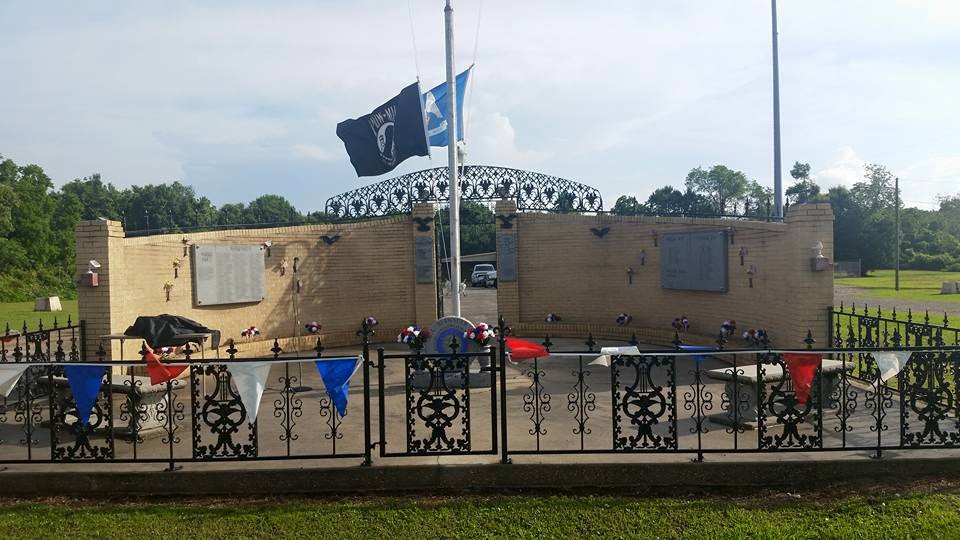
(443, 330)
(695, 261)
(228, 274)
(423, 259)
(507, 258)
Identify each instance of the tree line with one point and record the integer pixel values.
(864, 224)
(37, 222)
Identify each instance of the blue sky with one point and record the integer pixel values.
(242, 98)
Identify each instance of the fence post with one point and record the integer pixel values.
(830, 336)
(83, 340)
(502, 337)
(365, 335)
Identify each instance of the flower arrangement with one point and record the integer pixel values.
(681, 324)
(250, 332)
(415, 336)
(176, 267)
(624, 319)
(313, 327)
(727, 328)
(552, 317)
(167, 287)
(756, 337)
(372, 321)
(267, 244)
(481, 334)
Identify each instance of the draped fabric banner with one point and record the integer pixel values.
(250, 379)
(607, 352)
(9, 377)
(890, 364)
(85, 384)
(697, 357)
(802, 367)
(524, 350)
(336, 375)
(160, 372)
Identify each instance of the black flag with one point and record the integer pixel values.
(381, 140)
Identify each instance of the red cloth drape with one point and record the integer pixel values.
(525, 350)
(802, 367)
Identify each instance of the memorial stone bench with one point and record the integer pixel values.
(745, 382)
(141, 396)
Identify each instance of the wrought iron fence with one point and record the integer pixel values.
(664, 401)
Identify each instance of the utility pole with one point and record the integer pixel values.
(452, 163)
(896, 213)
(777, 180)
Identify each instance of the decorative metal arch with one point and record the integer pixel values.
(531, 190)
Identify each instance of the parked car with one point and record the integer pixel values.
(483, 275)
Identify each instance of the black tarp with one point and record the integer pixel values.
(169, 330)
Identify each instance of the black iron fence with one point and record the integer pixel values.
(416, 404)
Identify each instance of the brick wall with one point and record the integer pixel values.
(562, 267)
(368, 271)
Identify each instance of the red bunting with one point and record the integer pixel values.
(525, 350)
(802, 367)
(158, 371)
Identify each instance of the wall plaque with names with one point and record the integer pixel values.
(695, 261)
(423, 258)
(507, 258)
(228, 274)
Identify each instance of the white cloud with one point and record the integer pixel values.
(312, 151)
(845, 169)
(494, 141)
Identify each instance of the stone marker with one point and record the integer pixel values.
(47, 303)
(950, 287)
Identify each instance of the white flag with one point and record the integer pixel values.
(250, 379)
(606, 352)
(9, 376)
(891, 363)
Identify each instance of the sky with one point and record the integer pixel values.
(242, 98)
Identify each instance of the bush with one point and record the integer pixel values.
(923, 261)
(24, 286)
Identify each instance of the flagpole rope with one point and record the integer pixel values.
(413, 38)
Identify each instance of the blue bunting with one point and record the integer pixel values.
(697, 357)
(336, 374)
(85, 384)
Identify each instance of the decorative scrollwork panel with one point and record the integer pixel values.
(218, 414)
(644, 403)
(438, 405)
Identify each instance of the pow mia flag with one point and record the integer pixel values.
(381, 140)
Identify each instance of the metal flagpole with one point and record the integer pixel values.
(777, 180)
(452, 163)
(896, 213)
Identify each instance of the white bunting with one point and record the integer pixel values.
(891, 363)
(9, 376)
(250, 379)
(607, 352)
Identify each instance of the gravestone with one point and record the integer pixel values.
(47, 303)
(950, 287)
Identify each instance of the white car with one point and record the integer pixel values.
(483, 275)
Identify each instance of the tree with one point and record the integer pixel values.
(96, 198)
(477, 230)
(272, 209)
(800, 171)
(719, 186)
(627, 205)
(878, 190)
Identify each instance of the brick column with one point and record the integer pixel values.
(809, 292)
(101, 241)
(508, 292)
(425, 294)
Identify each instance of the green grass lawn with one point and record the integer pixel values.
(16, 313)
(914, 285)
(775, 515)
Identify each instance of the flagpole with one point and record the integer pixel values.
(452, 163)
(777, 180)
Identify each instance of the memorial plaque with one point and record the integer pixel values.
(695, 261)
(228, 274)
(423, 259)
(442, 332)
(507, 258)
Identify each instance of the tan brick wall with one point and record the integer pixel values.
(368, 271)
(565, 269)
